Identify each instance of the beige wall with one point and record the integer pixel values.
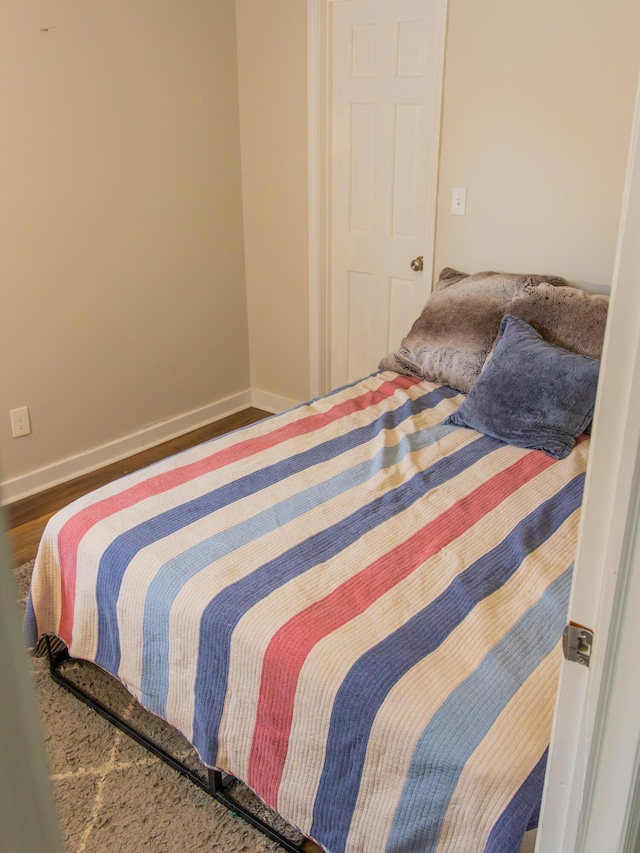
(121, 244)
(272, 56)
(538, 102)
(537, 112)
(122, 249)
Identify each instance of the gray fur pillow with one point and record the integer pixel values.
(566, 316)
(455, 331)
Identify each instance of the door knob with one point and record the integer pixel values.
(417, 264)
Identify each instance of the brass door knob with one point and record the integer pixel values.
(417, 264)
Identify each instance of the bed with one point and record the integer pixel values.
(356, 606)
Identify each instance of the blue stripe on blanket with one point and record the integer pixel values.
(121, 551)
(226, 609)
(174, 574)
(30, 625)
(352, 718)
(466, 716)
(521, 814)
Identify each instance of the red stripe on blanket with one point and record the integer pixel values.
(291, 644)
(77, 527)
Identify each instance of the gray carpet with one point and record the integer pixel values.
(111, 794)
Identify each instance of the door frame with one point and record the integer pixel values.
(319, 183)
(590, 802)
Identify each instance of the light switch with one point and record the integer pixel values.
(459, 201)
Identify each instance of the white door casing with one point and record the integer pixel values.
(375, 87)
(592, 769)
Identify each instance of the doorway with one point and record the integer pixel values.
(375, 90)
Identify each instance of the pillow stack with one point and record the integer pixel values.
(545, 338)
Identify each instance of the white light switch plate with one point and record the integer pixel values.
(459, 201)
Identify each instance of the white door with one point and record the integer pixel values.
(594, 760)
(385, 95)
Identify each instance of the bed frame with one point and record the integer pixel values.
(217, 784)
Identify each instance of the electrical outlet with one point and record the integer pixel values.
(459, 201)
(20, 423)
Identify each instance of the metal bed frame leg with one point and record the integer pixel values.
(217, 782)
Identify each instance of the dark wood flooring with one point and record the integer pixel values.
(26, 519)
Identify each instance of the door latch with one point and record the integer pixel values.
(577, 642)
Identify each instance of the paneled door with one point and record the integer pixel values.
(386, 88)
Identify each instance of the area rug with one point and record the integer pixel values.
(111, 794)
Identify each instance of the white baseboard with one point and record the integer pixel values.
(83, 463)
(74, 466)
(272, 402)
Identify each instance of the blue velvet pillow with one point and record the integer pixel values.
(531, 393)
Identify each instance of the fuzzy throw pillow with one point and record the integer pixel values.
(532, 393)
(566, 316)
(450, 340)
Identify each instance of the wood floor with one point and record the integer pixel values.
(26, 519)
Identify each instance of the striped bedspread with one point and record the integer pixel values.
(350, 606)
